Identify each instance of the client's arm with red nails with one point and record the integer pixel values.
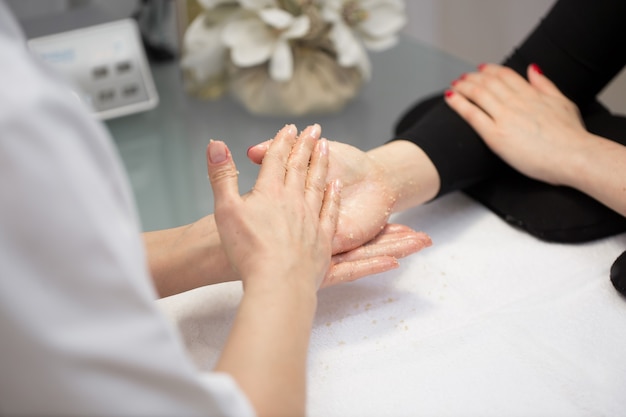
(538, 131)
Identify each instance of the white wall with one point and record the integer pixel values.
(486, 31)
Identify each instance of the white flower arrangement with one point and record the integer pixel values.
(272, 53)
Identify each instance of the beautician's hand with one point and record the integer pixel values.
(278, 238)
(366, 201)
(530, 124)
(283, 228)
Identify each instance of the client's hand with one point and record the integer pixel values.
(530, 124)
(366, 201)
(377, 255)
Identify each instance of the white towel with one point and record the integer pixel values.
(489, 321)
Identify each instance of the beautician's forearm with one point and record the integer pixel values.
(599, 170)
(187, 257)
(267, 348)
(412, 175)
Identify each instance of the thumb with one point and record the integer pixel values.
(541, 82)
(222, 172)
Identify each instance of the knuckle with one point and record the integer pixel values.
(504, 72)
(316, 186)
(471, 116)
(500, 70)
(223, 174)
(298, 166)
(476, 92)
(275, 159)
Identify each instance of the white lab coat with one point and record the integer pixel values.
(80, 333)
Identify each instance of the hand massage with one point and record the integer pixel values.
(472, 263)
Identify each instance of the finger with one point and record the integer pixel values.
(329, 213)
(395, 244)
(471, 113)
(396, 228)
(482, 90)
(256, 153)
(503, 81)
(541, 82)
(351, 271)
(298, 164)
(316, 178)
(274, 165)
(222, 172)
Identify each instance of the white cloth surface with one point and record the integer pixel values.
(80, 333)
(489, 321)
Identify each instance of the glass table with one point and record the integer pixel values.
(164, 149)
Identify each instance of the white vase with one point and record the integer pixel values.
(319, 86)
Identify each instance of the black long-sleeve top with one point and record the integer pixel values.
(580, 45)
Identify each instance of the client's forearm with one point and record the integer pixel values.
(599, 170)
(411, 174)
(187, 257)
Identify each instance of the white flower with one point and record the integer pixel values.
(258, 4)
(211, 4)
(360, 24)
(264, 34)
(204, 51)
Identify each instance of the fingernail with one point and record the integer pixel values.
(536, 68)
(337, 185)
(454, 82)
(217, 152)
(463, 76)
(262, 145)
(315, 131)
(449, 93)
(287, 130)
(323, 144)
(291, 129)
(481, 66)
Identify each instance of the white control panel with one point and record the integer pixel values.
(106, 64)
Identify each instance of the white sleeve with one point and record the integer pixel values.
(80, 333)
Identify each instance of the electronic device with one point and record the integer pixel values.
(105, 63)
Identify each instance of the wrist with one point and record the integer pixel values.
(270, 337)
(281, 283)
(411, 176)
(572, 168)
(284, 299)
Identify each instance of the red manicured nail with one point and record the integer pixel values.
(449, 93)
(463, 76)
(481, 66)
(536, 68)
(454, 82)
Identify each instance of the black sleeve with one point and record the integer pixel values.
(580, 45)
